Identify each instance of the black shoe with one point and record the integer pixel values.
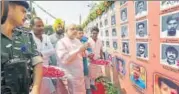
(93, 87)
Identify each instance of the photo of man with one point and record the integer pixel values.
(168, 4)
(114, 33)
(120, 66)
(136, 75)
(113, 20)
(103, 43)
(140, 8)
(125, 47)
(107, 33)
(170, 55)
(106, 22)
(107, 44)
(170, 26)
(141, 29)
(124, 15)
(115, 45)
(164, 85)
(124, 31)
(142, 50)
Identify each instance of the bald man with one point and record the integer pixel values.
(69, 53)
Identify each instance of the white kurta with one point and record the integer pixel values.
(70, 59)
(46, 49)
(95, 70)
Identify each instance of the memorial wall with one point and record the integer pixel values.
(141, 39)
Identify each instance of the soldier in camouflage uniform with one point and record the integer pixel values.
(18, 44)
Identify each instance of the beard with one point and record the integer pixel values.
(60, 31)
(172, 32)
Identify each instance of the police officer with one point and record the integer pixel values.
(15, 43)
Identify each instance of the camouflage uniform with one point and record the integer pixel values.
(20, 46)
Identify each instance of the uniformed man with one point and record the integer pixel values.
(17, 44)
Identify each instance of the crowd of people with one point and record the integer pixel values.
(62, 49)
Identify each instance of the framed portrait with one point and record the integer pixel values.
(138, 76)
(124, 15)
(124, 31)
(106, 22)
(107, 33)
(121, 66)
(141, 8)
(115, 44)
(142, 29)
(123, 2)
(169, 25)
(113, 19)
(169, 55)
(168, 4)
(114, 32)
(103, 43)
(107, 44)
(101, 24)
(142, 50)
(125, 47)
(165, 85)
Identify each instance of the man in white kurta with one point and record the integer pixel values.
(69, 51)
(96, 44)
(45, 47)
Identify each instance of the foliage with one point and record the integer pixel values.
(48, 30)
(110, 88)
(97, 11)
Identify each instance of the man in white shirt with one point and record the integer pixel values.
(96, 45)
(171, 57)
(172, 28)
(46, 48)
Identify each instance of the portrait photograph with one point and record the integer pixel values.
(168, 4)
(114, 32)
(125, 47)
(141, 8)
(107, 44)
(106, 22)
(169, 55)
(124, 31)
(113, 19)
(138, 75)
(124, 15)
(121, 66)
(165, 85)
(101, 24)
(169, 27)
(103, 43)
(142, 29)
(107, 33)
(115, 44)
(142, 50)
(122, 3)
